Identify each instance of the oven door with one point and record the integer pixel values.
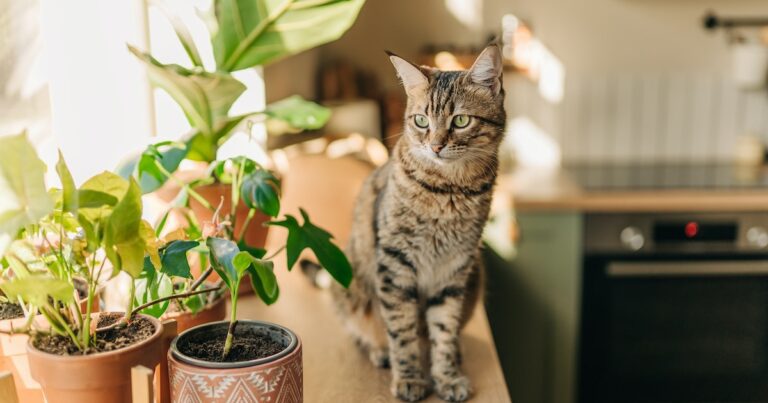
(659, 329)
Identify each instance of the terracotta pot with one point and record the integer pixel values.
(278, 378)
(95, 378)
(213, 312)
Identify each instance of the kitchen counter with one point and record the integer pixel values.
(336, 371)
(557, 190)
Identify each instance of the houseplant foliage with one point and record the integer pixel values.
(55, 238)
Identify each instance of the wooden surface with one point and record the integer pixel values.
(554, 190)
(336, 371)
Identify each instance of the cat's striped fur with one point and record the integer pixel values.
(416, 234)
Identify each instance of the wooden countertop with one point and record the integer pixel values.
(336, 371)
(553, 190)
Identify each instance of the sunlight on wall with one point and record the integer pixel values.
(98, 91)
(533, 58)
(468, 12)
(532, 146)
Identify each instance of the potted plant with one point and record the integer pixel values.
(250, 360)
(92, 232)
(245, 34)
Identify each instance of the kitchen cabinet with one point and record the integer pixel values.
(533, 306)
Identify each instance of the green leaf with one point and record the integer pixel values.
(68, 188)
(166, 154)
(36, 289)
(258, 253)
(223, 252)
(174, 258)
(123, 233)
(319, 241)
(204, 97)
(203, 147)
(149, 287)
(263, 277)
(299, 113)
(263, 280)
(259, 191)
(99, 194)
(252, 33)
(23, 197)
(185, 38)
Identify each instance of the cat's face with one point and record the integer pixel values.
(454, 117)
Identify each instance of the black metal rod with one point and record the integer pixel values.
(711, 21)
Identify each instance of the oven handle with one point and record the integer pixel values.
(689, 268)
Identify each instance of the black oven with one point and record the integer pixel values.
(674, 308)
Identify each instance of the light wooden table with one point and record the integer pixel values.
(335, 371)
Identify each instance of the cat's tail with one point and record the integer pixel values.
(315, 273)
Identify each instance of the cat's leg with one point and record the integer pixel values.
(398, 299)
(355, 308)
(444, 317)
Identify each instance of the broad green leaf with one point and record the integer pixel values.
(68, 188)
(123, 233)
(36, 289)
(299, 113)
(252, 33)
(263, 278)
(204, 97)
(259, 191)
(151, 243)
(185, 38)
(258, 253)
(203, 147)
(23, 197)
(174, 258)
(149, 287)
(167, 155)
(319, 241)
(223, 252)
(99, 194)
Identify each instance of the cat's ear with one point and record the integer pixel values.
(486, 70)
(413, 78)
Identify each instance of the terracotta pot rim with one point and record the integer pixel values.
(32, 350)
(196, 362)
(173, 315)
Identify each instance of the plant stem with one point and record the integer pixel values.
(202, 278)
(131, 300)
(232, 320)
(246, 223)
(170, 297)
(186, 187)
(282, 248)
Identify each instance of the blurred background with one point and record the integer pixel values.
(627, 249)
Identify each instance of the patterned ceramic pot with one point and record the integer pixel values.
(274, 379)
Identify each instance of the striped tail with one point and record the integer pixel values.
(315, 273)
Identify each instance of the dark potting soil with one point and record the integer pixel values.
(247, 345)
(106, 340)
(9, 310)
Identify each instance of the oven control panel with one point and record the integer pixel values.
(710, 232)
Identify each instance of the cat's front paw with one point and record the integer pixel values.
(456, 389)
(410, 389)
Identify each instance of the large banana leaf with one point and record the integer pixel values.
(23, 198)
(256, 32)
(204, 97)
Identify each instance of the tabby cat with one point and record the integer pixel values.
(418, 220)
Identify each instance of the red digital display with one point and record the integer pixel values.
(691, 229)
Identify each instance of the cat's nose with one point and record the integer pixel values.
(437, 147)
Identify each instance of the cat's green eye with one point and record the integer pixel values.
(461, 121)
(421, 121)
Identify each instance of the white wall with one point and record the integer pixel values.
(688, 109)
